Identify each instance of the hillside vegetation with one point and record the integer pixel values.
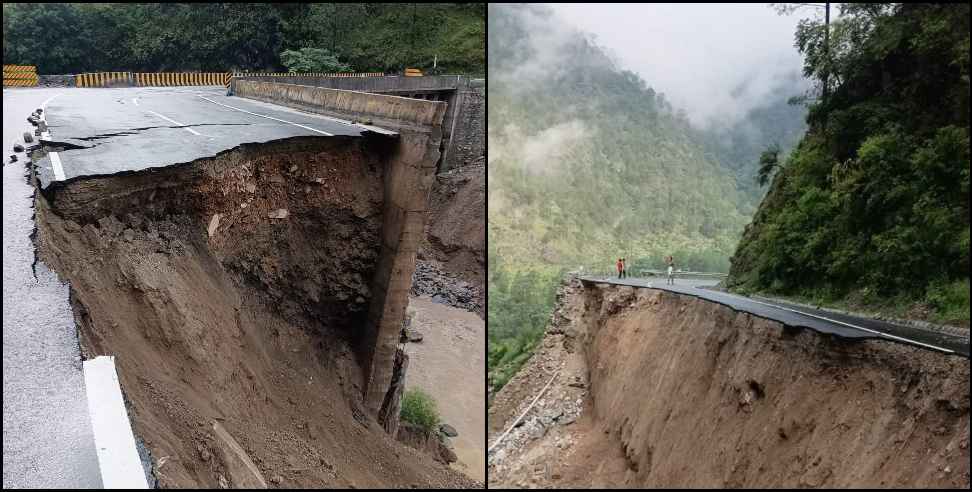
(88, 37)
(873, 205)
(589, 163)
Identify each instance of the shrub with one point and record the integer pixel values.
(950, 300)
(418, 408)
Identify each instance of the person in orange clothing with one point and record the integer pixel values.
(620, 268)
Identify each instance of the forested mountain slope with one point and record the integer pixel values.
(589, 163)
(64, 38)
(874, 202)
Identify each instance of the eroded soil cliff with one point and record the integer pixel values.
(654, 389)
(232, 291)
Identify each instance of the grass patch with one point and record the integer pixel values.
(419, 409)
(950, 301)
(944, 302)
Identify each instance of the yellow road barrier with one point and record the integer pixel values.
(19, 76)
(174, 79)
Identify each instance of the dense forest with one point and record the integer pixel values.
(588, 163)
(69, 38)
(872, 207)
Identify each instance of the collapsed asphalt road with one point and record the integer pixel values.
(840, 325)
(47, 436)
(224, 255)
(106, 131)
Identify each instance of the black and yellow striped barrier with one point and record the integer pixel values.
(19, 76)
(104, 79)
(173, 79)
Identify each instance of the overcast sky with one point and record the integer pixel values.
(696, 53)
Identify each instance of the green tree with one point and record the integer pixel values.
(419, 409)
(769, 161)
(312, 60)
(874, 200)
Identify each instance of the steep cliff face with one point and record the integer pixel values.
(232, 290)
(673, 391)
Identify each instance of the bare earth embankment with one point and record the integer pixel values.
(232, 291)
(451, 263)
(654, 389)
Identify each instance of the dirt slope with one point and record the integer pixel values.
(230, 289)
(452, 260)
(660, 390)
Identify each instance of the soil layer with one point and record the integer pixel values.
(231, 291)
(654, 389)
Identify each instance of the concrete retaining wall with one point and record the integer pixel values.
(381, 110)
(467, 132)
(408, 177)
(464, 123)
(368, 84)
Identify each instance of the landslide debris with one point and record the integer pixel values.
(451, 263)
(232, 290)
(673, 391)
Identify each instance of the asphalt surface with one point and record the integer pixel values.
(105, 131)
(47, 435)
(840, 325)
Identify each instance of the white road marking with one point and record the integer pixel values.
(135, 101)
(170, 120)
(55, 158)
(44, 104)
(115, 444)
(270, 117)
(56, 164)
(901, 339)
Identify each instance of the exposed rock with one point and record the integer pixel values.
(431, 281)
(448, 430)
(213, 225)
(427, 442)
(280, 213)
(414, 335)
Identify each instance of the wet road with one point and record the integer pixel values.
(47, 435)
(841, 325)
(105, 131)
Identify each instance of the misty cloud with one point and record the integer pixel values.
(716, 61)
(541, 152)
(551, 145)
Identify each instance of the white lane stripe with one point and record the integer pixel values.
(190, 130)
(56, 164)
(901, 339)
(44, 104)
(270, 117)
(115, 444)
(55, 158)
(135, 101)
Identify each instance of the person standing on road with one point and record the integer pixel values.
(624, 269)
(671, 270)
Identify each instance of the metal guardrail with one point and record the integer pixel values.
(684, 273)
(648, 273)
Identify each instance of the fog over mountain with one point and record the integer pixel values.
(714, 60)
